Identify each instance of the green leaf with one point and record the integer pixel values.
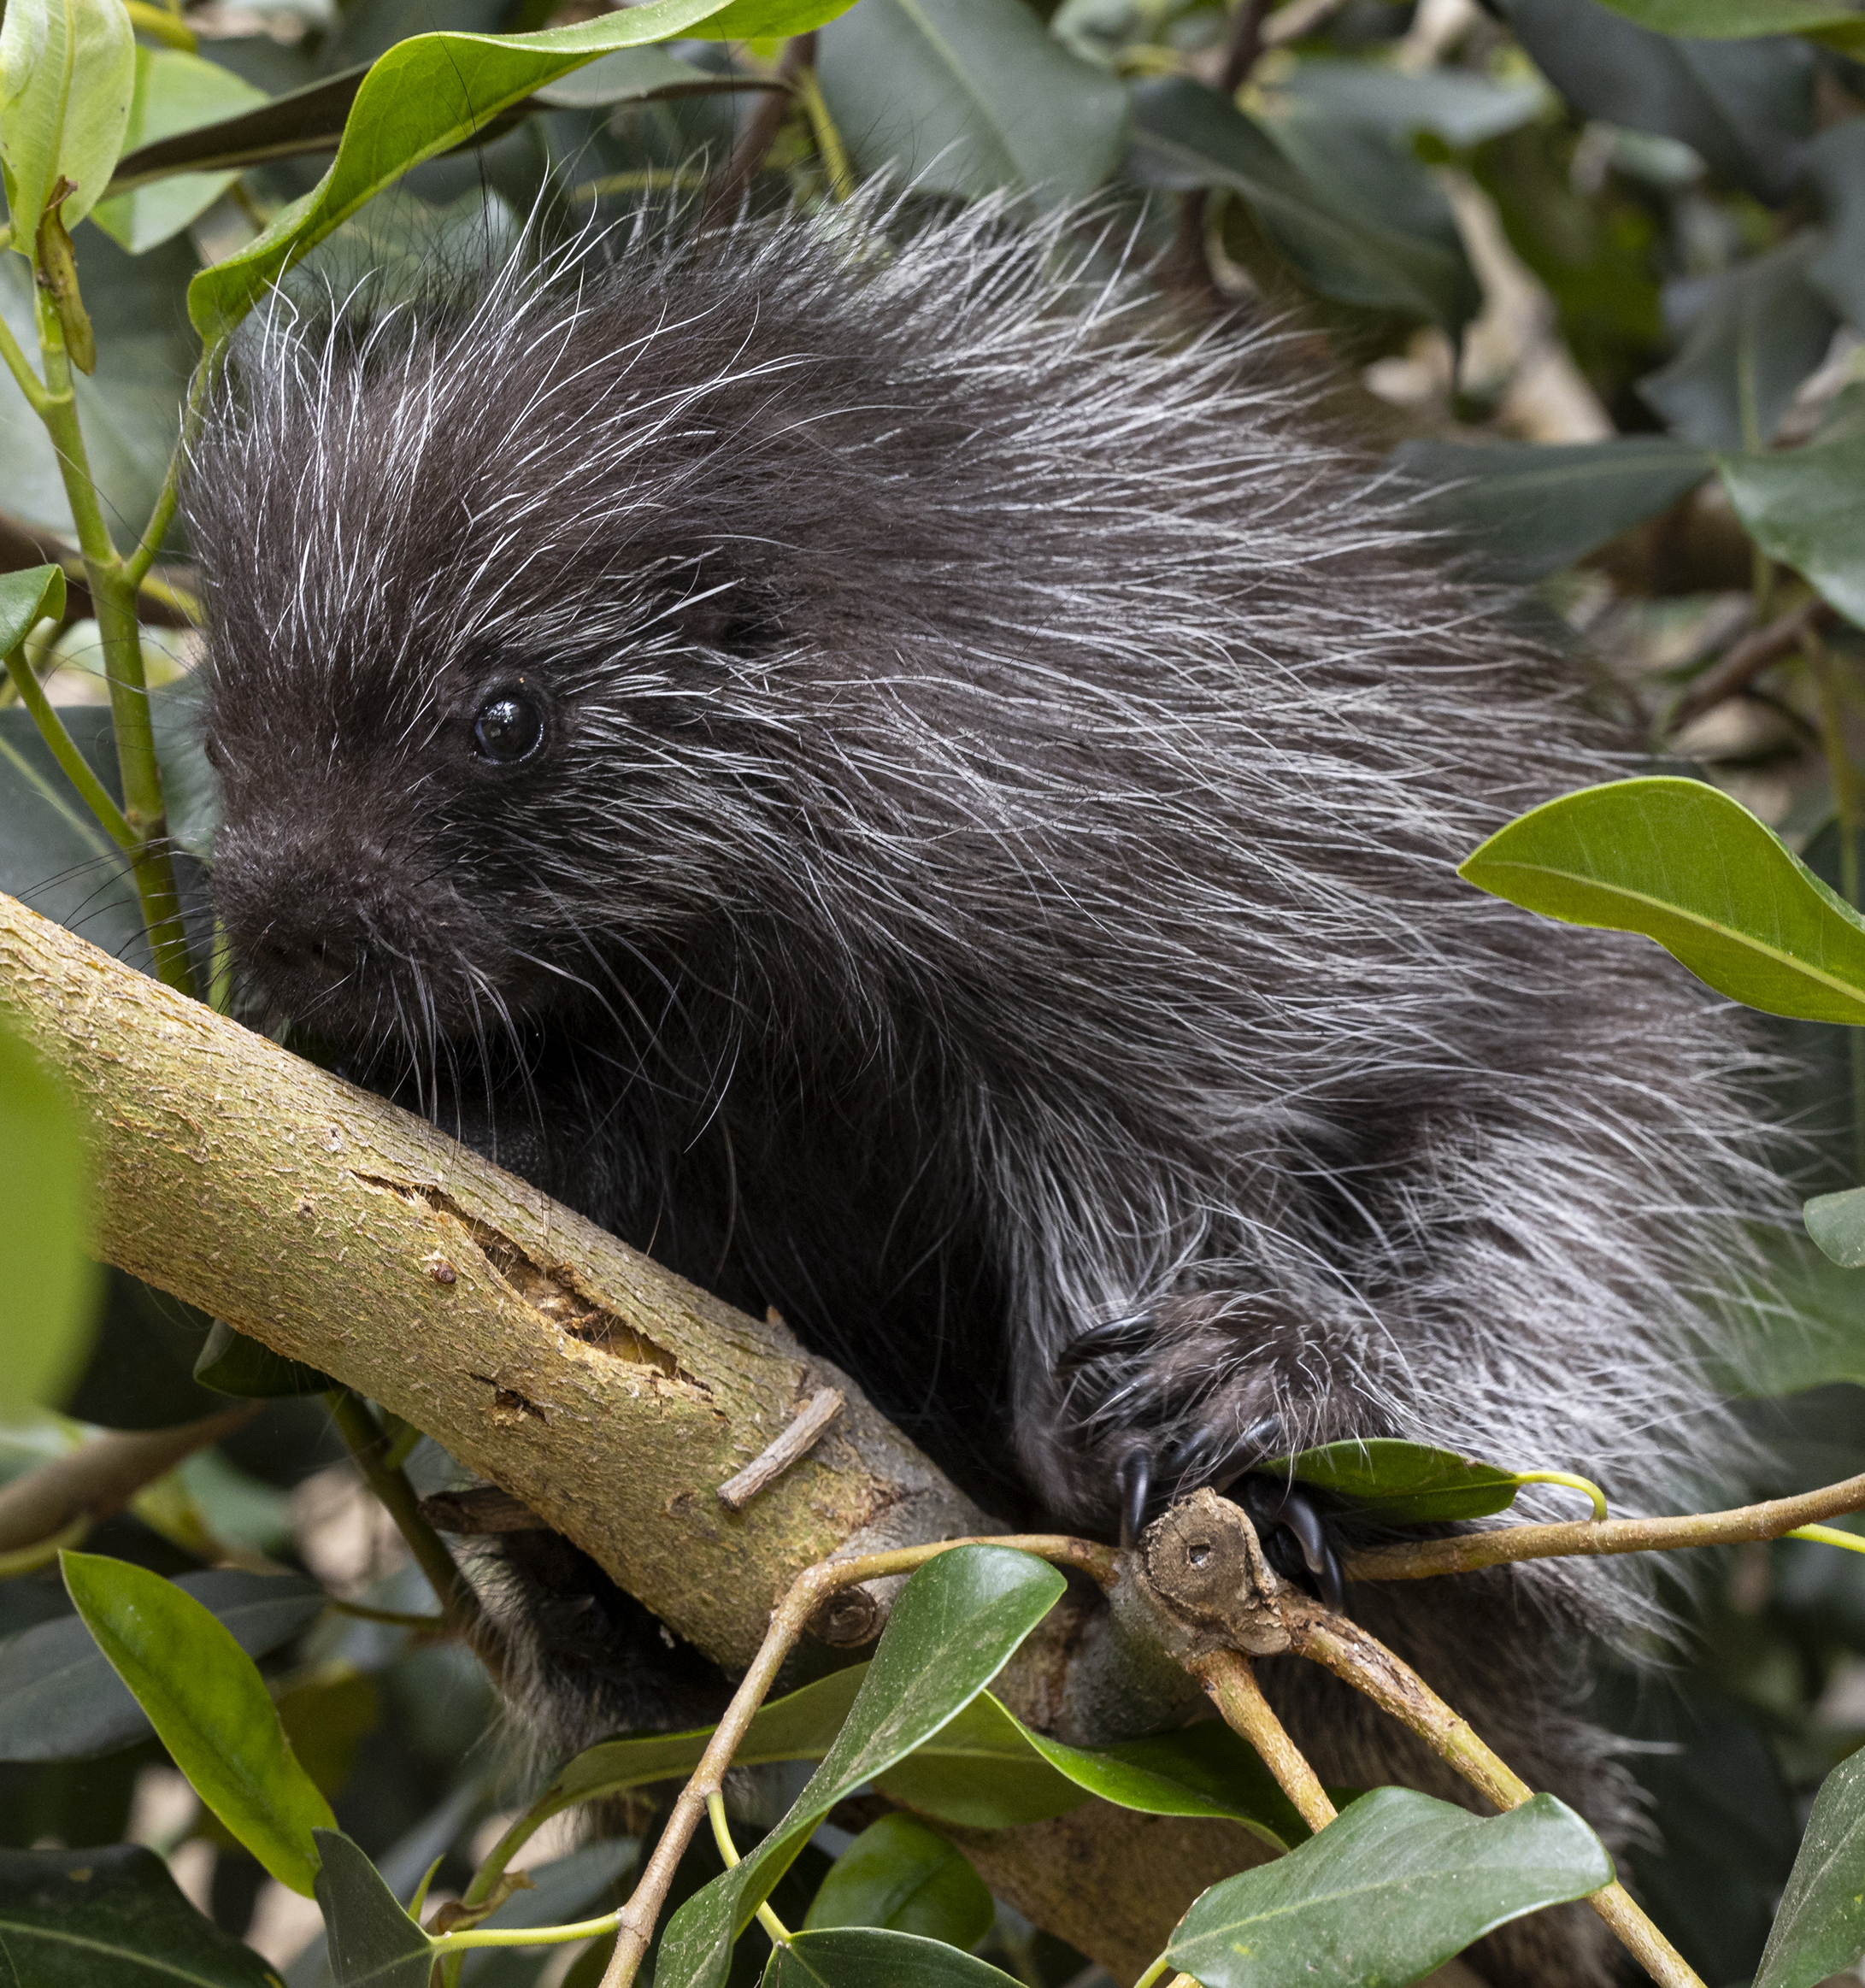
(28, 597)
(1188, 136)
(982, 1769)
(231, 1363)
(1734, 20)
(1746, 108)
(902, 1876)
(111, 1919)
(61, 1700)
(1751, 336)
(956, 1625)
(1457, 105)
(309, 121)
(372, 1942)
(66, 71)
(853, 1957)
(1532, 507)
(1806, 507)
(48, 1286)
(424, 96)
(988, 1770)
(175, 92)
(1688, 866)
(965, 96)
(1819, 1929)
(1835, 160)
(801, 1726)
(1393, 1888)
(209, 1705)
(1837, 1223)
(1405, 1483)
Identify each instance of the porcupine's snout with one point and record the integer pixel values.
(341, 938)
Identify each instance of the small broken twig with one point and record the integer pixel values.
(1229, 1678)
(770, 1464)
(1736, 670)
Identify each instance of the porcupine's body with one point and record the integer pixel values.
(983, 875)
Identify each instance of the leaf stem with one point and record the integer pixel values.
(368, 1445)
(822, 126)
(1230, 1680)
(59, 742)
(1584, 1485)
(721, 1835)
(1365, 1662)
(113, 599)
(523, 1936)
(162, 516)
(1425, 1559)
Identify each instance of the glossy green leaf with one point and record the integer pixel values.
(956, 1623)
(1687, 866)
(61, 1700)
(1530, 508)
(1819, 1929)
(986, 1770)
(1187, 136)
(983, 1770)
(855, 1957)
(48, 1286)
(31, 594)
(966, 96)
(801, 1726)
(111, 1918)
(426, 95)
(231, 1363)
(900, 1875)
(66, 71)
(1747, 108)
(1837, 1223)
(1734, 20)
(1806, 507)
(1836, 162)
(210, 1706)
(174, 92)
(1751, 336)
(1405, 1483)
(305, 122)
(1393, 1888)
(371, 1941)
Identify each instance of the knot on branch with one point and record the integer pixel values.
(1202, 1566)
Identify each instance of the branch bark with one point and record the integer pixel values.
(607, 1395)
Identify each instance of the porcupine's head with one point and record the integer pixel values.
(523, 613)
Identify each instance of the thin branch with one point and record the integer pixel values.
(788, 1448)
(634, 1924)
(1425, 1559)
(1188, 266)
(1742, 664)
(1230, 1678)
(724, 196)
(367, 1443)
(1365, 1662)
(63, 748)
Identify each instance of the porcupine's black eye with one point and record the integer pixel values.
(509, 728)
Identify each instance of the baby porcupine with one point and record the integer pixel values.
(926, 800)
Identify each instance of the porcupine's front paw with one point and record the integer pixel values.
(1157, 1404)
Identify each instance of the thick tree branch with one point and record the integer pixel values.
(603, 1394)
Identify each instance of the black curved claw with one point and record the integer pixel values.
(1299, 1515)
(1271, 1503)
(1126, 1335)
(1261, 1439)
(1134, 1477)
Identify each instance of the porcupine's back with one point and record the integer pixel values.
(1015, 764)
